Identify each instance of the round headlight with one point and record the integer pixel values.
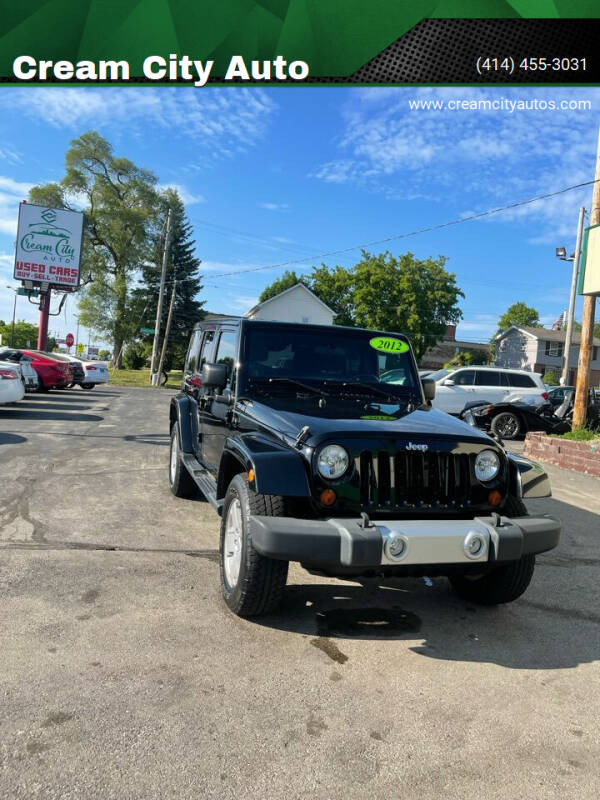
(487, 466)
(333, 461)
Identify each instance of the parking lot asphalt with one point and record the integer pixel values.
(123, 675)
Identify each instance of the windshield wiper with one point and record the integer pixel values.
(305, 386)
(372, 390)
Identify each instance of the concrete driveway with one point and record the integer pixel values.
(123, 675)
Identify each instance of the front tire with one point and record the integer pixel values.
(181, 482)
(505, 583)
(251, 584)
(86, 386)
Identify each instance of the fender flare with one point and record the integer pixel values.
(184, 410)
(277, 469)
(527, 478)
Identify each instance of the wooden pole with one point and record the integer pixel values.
(167, 331)
(587, 322)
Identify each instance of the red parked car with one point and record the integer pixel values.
(53, 373)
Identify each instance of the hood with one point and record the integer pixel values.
(422, 422)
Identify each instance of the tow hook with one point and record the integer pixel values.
(366, 522)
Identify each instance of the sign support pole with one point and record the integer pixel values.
(587, 322)
(42, 342)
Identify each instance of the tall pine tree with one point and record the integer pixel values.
(183, 266)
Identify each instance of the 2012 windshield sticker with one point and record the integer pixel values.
(388, 344)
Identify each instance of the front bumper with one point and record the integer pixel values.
(348, 543)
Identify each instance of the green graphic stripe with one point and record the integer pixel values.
(336, 37)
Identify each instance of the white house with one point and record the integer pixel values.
(296, 304)
(540, 349)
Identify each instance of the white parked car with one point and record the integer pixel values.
(12, 386)
(28, 373)
(95, 372)
(455, 388)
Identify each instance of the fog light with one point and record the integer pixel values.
(474, 544)
(395, 547)
(328, 497)
(494, 498)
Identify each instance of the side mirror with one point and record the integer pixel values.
(428, 388)
(448, 382)
(214, 376)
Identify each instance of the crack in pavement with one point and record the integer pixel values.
(212, 555)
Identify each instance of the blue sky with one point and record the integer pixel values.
(271, 175)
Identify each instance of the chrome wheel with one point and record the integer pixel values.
(173, 459)
(232, 544)
(506, 425)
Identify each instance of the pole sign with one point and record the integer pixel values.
(80, 348)
(589, 274)
(69, 339)
(49, 246)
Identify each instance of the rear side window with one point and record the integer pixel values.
(464, 377)
(521, 381)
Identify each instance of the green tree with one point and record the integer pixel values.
(120, 204)
(550, 378)
(287, 280)
(183, 266)
(25, 335)
(104, 355)
(519, 314)
(577, 327)
(335, 287)
(465, 358)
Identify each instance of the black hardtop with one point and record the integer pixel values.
(226, 321)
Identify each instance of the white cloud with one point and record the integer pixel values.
(11, 194)
(222, 124)
(244, 302)
(274, 206)
(187, 196)
(472, 159)
(10, 155)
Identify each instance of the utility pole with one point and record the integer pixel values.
(154, 378)
(77, 334)
(569, 334)
(587, 322)
(167, 331)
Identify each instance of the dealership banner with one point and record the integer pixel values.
(166, 42)
(48, 247)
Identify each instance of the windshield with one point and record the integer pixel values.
(284, 359)
(439, 374)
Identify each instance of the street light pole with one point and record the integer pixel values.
(12, 330)
(569, 333)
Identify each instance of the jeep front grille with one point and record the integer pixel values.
(410, 480)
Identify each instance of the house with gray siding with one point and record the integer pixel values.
(540, 349)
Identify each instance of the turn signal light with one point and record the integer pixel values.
(328, 497)
(494, 498)
(250, 475)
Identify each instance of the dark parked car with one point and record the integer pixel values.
(309, 453)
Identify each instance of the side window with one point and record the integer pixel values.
(487, 378)
(191, 361)
(521, 381)
(463, 377)
(226, 351)
(206, 349)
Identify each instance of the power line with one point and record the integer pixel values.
(416, 232)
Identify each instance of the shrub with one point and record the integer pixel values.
(135, 355)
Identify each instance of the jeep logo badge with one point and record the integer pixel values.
(422, 447)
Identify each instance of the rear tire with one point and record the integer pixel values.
(251, 584)
(87, 386)
(506, 425)
(181, 482)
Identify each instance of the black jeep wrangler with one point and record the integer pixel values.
(317, 444)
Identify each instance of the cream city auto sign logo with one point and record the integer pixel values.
(45, 238)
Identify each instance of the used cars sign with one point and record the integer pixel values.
(48, 245)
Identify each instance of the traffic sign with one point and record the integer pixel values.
(147, 331)
(69, 340)
(80, 348)
(27, 292)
